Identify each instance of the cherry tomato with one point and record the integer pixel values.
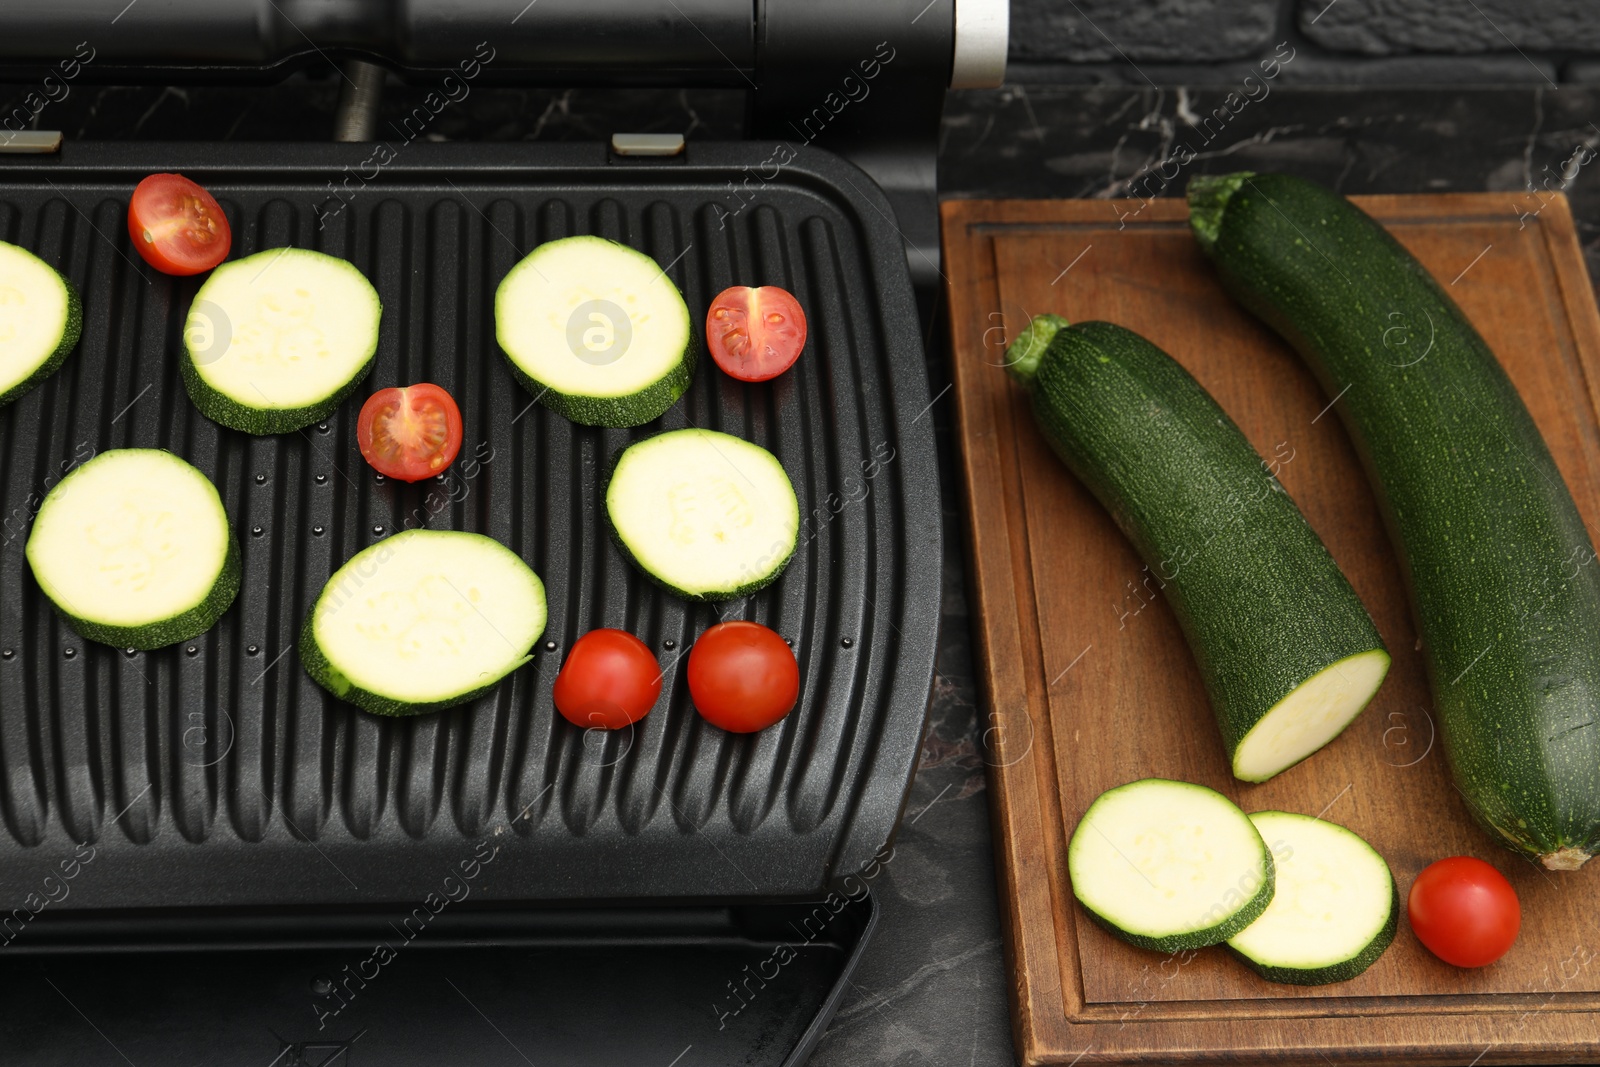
(178, 227)
(742, 676)
(610, 679)
(755, 334)
(1464, 911)
(411, 433)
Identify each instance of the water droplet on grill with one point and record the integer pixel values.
(377, 529)
(669, 644)
(261, 479)
(845, 642)
(322, 427)
(256, 531)
(316, 531)
(8, 653)
(191, 650)
(69, 652)
(251, 650)
(321, 479)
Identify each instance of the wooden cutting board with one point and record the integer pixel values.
(1090, 684)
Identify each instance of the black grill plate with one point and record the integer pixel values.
(223, 776)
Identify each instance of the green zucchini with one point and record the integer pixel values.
(41, 318)
(1495, 555)
(1169, 866)
(1287, 653)
(134, 549)
(422, 621)
(1334, 905)
(275, 341)
(706, 515)
(596, 331)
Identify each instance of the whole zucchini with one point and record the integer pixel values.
(1495, 554)
(1288, 654)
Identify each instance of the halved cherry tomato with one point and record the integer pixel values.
(610, 679)
(411, 433)
(1464, 911)
(178, 227)
(742, 676)
(755, 334)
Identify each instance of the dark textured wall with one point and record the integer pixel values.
(1342, 41)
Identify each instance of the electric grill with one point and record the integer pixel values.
(261, 871)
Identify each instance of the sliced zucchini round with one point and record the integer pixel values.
(1310, 715)
(1169, 866)
(134, 549)
(41, 318)
(423, 620)
(274, 341)
(1335, 910)
(596, 331)
(707, 515)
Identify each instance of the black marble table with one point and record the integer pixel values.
(932, 988)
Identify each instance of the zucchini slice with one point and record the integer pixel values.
(1335, 908)
(1288, 653)
(134, 549)
(1497, 560)
(596, 331)
(41, 318)
(707, 515)
(274, 341)
(423, 620)
(1169, 866)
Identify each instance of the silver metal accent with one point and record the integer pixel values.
(647, 144)
(983, 28)
(35, 142)
(356, 118)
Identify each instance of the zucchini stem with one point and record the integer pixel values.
(1208, 196)
(1024, 353)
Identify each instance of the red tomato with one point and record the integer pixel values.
(742, 676)
(178, 227)
(610, 679)
(1464, 911)
(755, 334)
(411, 433)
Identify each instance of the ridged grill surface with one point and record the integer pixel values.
(217, 772)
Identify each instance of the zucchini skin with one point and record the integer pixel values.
(1263, 605)
(615, 412)
(1494, 553)
(180, 627)
(70, 332)
(1342, 971)
(334, 681)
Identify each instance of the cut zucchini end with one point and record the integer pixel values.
(1169, 866)
(1208, 196)
(422, 621)
(1565, 859)
(1023, 354)
(1312, 715)
(1336, 908)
